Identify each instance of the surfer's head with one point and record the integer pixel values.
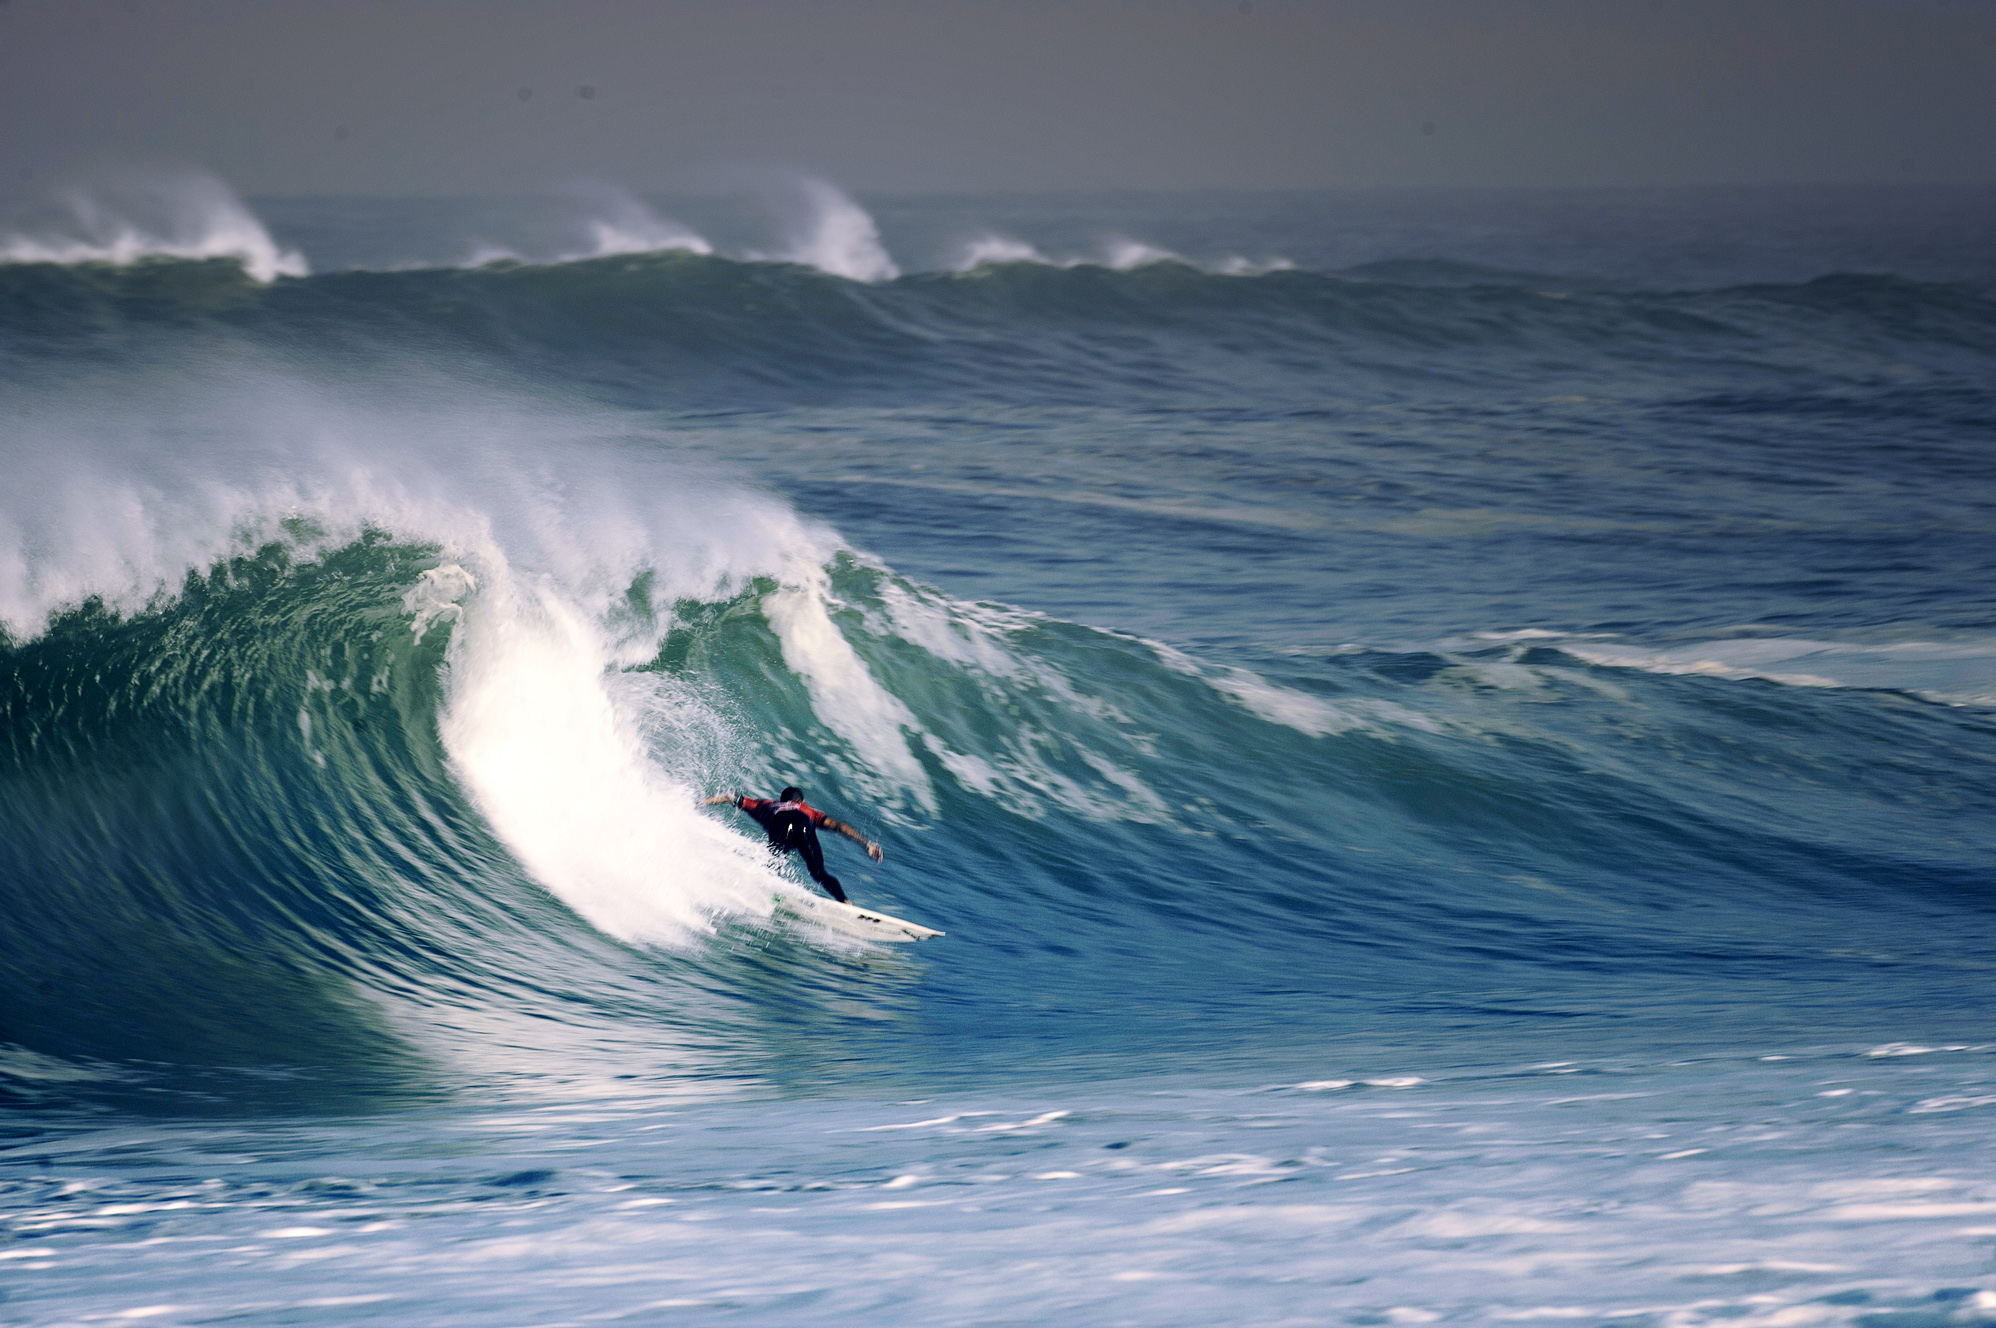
(791, 794)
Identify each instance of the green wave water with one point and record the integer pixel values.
(1452, 791)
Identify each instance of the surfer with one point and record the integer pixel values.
(793, 823)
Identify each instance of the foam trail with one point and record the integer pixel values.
(194, 216)
(837, 236)
(624, 225)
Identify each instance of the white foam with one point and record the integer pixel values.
(1928, 1106)
(1469, 1222)
(623, 224)
(1281, 705)
(1500, 675)
(1882, 1185)
(438, 593)
(1307, 714)
(1905, 1212)
(1122, 253)
(843, 692)
(967, 635)
(483, 253)
(1019, 778)
(562, 773)
(1950, 672)
(835, 234)
(1308, 1217)
(1248, 267)
(152, 216)
(994, 248)
(975, 639)
(1118, 252)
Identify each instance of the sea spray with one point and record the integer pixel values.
(137, 216)
(831, 232)
(531, 720)
(990, 248)
(620, 223)
(1397, 861)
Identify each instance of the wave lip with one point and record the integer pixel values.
(624, 225)
(835, 235)
(193, 217)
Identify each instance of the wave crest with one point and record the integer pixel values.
(835, 235)
(191, 216)
(622, 224)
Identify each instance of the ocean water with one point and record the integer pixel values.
(1452, 737)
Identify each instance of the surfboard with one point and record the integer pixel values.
(866, 923)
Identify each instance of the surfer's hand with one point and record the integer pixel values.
(873, 850)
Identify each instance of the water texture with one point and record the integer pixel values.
(1450, 736)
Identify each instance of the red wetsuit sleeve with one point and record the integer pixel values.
(817, 817)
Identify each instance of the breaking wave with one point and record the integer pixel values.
(142, 217)
(367, 656)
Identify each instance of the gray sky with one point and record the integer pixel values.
(430, 96)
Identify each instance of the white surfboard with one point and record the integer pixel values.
(866, 923)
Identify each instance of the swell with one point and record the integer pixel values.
(687, 328)
(282, 821)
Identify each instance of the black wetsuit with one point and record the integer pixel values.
(794, 825)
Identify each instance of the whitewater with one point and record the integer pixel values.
(1449, 735)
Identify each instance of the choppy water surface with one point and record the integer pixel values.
(1450, 738)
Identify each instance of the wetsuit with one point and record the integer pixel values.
(794, 825)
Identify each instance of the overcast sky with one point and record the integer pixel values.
(513, 96)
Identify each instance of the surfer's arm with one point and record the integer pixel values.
(720, 798)
(872, 849)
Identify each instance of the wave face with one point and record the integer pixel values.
(1433, 771)
(1234, 662)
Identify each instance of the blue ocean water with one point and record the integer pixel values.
(1450, 736)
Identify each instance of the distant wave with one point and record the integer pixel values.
(1125, 253)
(656, 328)
(835, 235)
(619, 223)
(1119, 253)
(124, 221)
(992, 247)
(824, 229)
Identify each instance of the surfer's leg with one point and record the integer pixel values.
(814, 862)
